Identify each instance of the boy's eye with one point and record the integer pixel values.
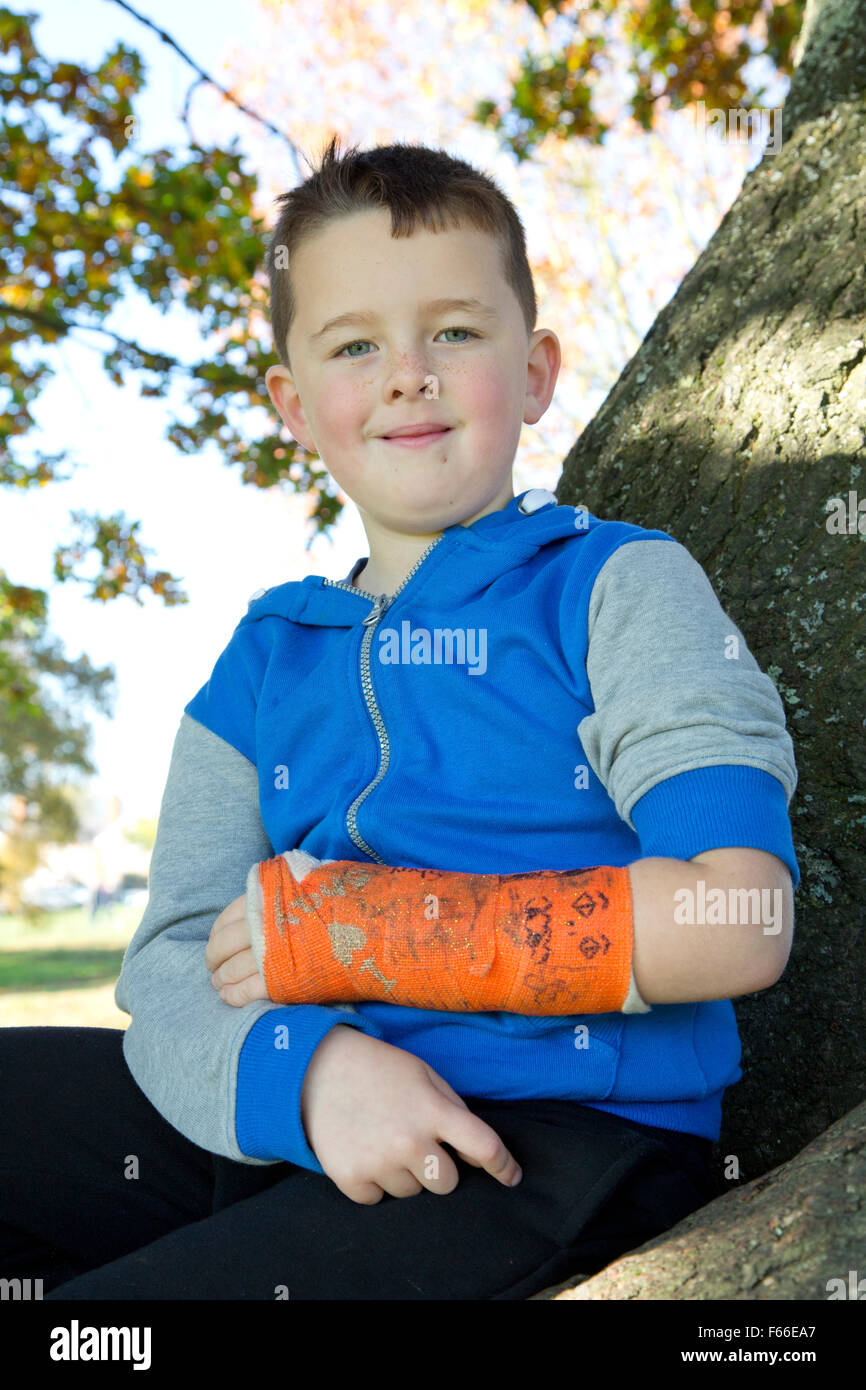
(360, 341)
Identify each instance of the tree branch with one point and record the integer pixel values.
(205, 77)
(64, 326)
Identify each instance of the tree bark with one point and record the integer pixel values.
(799, 1232)
(741, 415)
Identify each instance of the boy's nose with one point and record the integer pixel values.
(409, 377)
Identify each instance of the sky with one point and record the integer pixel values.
(221, 539)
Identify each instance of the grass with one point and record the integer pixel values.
(61, 970)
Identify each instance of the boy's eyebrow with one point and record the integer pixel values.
(433, 306)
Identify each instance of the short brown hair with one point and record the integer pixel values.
(416, 183)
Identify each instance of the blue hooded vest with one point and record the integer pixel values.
(440, 728)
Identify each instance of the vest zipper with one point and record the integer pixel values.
(381, 603)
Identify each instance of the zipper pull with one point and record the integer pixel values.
(377, 610)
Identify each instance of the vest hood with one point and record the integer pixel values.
(495, 544)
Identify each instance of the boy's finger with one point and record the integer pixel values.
(235, 911)
(253, 987)
(234, 969)
(466, 1128)
(225, 940)
(442, 1085)
(473, 1162)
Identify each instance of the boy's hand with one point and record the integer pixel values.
(230, 956)
(376, 1117)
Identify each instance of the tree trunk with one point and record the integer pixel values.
(741, 415)
(796, 1233)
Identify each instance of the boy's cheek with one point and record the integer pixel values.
(484, 394)
(345, 432)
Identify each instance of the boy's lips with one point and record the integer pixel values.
(415, 427)
(419, 436)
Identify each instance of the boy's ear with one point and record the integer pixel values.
(545, 359)
(287, 403)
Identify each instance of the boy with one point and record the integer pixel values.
(429, 828)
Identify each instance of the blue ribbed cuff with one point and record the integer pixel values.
(700, 1117)
(713, 807)
(271, 1069)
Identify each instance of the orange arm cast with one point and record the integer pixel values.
(548, 942)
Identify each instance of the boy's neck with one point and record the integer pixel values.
(402, 554)
(386, 579)
(366, 579)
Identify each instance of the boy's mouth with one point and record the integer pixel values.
(420, 436)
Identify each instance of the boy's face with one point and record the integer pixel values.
(355, 383)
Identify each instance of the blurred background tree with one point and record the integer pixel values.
(85, 220)
(143, 832)
(671, 53)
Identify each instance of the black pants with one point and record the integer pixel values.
(193, 1225)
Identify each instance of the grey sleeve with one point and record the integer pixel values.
(672, 691)
(183, 1043)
